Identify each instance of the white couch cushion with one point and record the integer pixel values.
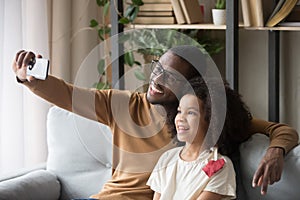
(80, 153)
(287, 188)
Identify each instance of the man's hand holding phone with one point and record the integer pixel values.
(28, 67)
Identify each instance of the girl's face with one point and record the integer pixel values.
(190, 120)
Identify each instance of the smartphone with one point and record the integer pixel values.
(38, 68)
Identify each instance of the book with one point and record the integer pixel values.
(155, 13)
(246, 13)
(156, 7)
(282, 13)
(178, 12)
(192, 11)
(256, 13)
(154, 20)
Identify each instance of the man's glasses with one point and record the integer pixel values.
(157, 70)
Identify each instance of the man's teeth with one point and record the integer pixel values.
(156, 90)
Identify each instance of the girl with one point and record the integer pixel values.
(195, 171)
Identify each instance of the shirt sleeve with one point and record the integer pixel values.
(223, 182)
(281, 135)
(90, 103)
(158, 174)
(154, 181)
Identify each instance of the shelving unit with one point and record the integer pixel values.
(232, 53)
(231, 40)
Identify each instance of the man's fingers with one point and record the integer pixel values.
(257, 176)
(275, 176)
(29, 56)
(18, 54)
(265, 181)
(30, 78)
(20, 59)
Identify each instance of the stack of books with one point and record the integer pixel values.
(155, 12)
(259, 13)
(169, 12)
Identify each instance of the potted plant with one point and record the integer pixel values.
(219, 12)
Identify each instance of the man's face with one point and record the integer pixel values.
(169, 75)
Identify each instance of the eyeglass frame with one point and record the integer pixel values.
(155, 64)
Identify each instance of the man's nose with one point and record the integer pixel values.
(160, 78)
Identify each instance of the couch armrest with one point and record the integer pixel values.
(251, 153)
(36, 185)
(21, 172)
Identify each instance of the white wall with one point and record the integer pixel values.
(253, 72)
(290, 75)
(253, 77)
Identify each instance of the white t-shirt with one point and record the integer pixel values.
(175, 178)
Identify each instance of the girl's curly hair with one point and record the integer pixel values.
(237, 119)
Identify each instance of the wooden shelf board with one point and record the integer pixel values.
(178, 26)
(277, 28)
(208, 26)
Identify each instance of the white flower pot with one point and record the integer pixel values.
(219, 16)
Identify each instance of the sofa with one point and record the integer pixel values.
(79, 163)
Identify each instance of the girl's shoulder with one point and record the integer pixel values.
(170, 154)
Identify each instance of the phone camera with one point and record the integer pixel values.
(31, 63)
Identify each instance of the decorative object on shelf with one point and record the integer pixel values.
(219, 12)
(281, 11)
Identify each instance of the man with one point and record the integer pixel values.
(140, 134)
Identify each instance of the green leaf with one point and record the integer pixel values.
(93, 23)
(137, 2)
(124, 20)
(129, 10)
(134, 14)
(106, 8)
(129, 58)
(139, 75)
(137, 63)
(101, 86)
(101, 3)
(100, 34)
(105, 30)
(101, 66)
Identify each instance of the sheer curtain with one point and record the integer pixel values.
(23, 25)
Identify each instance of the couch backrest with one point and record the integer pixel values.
(80, 153)
(287, 188)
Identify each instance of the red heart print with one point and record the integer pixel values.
(213, 166)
